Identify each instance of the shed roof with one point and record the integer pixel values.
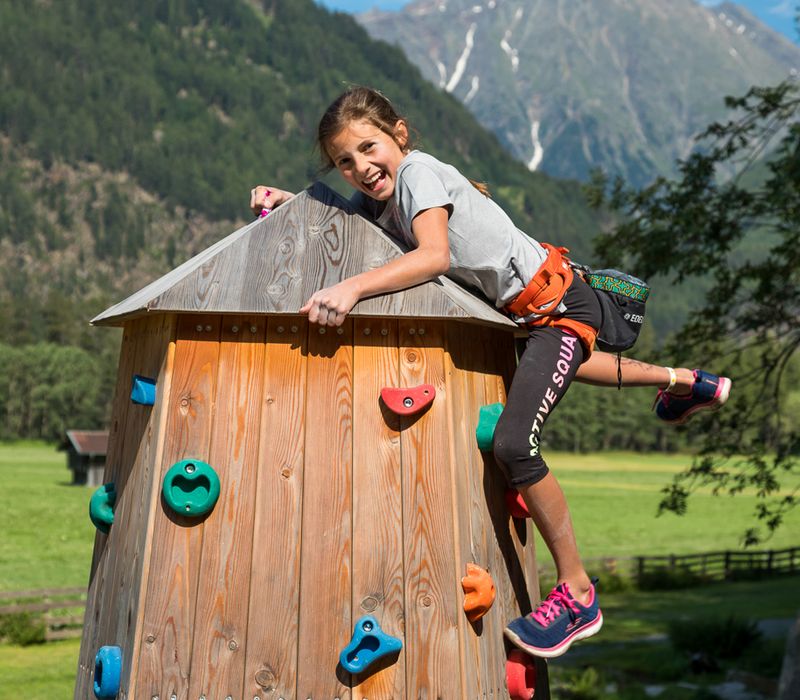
(88, 442)
(273, 265)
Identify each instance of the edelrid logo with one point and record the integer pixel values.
(634, 318)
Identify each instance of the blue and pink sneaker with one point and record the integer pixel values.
(559, 621)
(708, 392)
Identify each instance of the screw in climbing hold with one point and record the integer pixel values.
(479, 592)
(191, 487)
(107, 672)
(368, 645)
(143, 390)
(406, 402)
(101, 507)
(487, 422)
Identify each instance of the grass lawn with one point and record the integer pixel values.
(47, 536)
(39, 672)
(613, 498)
(47, 542)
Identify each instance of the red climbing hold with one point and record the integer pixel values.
(520, 675)
(407, 402)
(516, 506)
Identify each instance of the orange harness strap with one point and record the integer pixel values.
(544, 293)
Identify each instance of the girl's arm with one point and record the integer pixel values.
(431, 258)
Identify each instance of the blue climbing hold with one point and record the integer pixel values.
(107, 672)
(144, 390)
(369, 644)
(101, 507)
(487, 422)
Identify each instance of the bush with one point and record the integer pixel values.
(579, 685)
(22, 628)
(728, 638)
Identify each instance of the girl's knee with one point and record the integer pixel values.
(521, 461)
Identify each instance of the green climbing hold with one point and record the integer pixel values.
(101, 507)
(487, 422)
(191, 487)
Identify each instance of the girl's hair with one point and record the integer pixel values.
(355, 104)
(363, 103)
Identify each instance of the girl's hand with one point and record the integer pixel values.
(330, 306)
(263, 197)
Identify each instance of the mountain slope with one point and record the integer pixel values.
(132, 132)
(569, 86)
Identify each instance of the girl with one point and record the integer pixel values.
(453, 228)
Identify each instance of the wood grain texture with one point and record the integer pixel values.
(271, 650)
(433, 591)
(272, 266)
(377, 501)
(466, 393)
(326, 545)
(220, 624)
(113, 599)
(175, 553)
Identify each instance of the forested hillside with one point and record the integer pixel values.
(130, 135)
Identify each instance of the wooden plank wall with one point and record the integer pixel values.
(330, 508)
(133, 457)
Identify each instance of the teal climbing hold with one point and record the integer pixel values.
(487, 422)
(101, 507)
(191, 487)
(107, 672)
(143, 390)
(369, 644)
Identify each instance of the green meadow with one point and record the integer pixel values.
(47, 542)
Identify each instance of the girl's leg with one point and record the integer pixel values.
(601, 370)
(545, 371)
(548, 508)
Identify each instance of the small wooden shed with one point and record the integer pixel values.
(86, 455)
(331, 506)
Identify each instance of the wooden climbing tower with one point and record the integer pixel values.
(331, 506)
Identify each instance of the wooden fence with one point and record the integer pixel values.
(708, 566)
(60, 609)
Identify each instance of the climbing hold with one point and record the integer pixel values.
(144, 390)
(487, 422)
(101, 507)
(107, 672)
(191, 487)
(369, 644)
(520, 675)
(479, 589)
(407, 402)
(516, 506)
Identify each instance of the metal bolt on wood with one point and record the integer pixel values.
(280, 329)
(384, 331)
(232, 645)
(367, 331)
(208, 329)
(294, 329)
(339, 331)
(234, 329)
(199, 328)
(411, 331)
(421, 331)
(253, 329)
(322, 331)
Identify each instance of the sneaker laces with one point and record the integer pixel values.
(551, 607)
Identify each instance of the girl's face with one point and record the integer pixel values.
(368, 158)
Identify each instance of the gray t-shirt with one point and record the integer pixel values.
(487, 251)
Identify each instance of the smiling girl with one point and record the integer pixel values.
(453, 228)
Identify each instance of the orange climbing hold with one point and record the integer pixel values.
(479, 592)
(406, 402)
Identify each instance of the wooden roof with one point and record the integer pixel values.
(273, 265)
(87, 442)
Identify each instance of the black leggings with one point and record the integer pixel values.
(545, 371)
